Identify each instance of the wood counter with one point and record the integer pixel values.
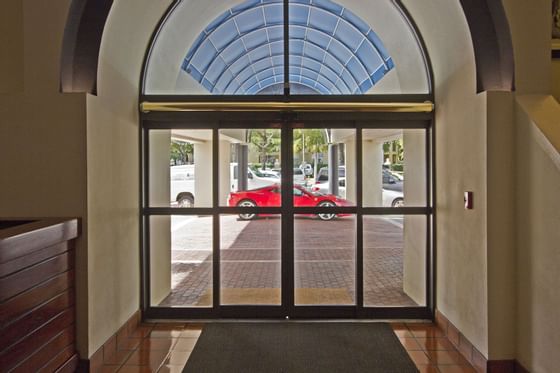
(37, 312)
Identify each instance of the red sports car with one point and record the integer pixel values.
(270, 196)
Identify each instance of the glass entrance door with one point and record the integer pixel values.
(313, 218)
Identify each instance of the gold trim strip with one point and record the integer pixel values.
(378, 107)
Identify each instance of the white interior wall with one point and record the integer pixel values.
(113, 169)
(460, 166)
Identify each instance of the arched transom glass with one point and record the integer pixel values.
(231, 48)
(331, 50)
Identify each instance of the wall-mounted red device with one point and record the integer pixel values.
(469, 200)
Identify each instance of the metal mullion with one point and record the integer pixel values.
(359, 286)
(250, 124)
(320, 124)
(295, 98)
(216, 275)
(178, 119)
(427, 265)
(288, 265)
(286, 11)
(146, 220)
(191, 125)
(430, 224)
(396, 210)
(249, 210)
(398, 124)
(178, 211)
(312, 210)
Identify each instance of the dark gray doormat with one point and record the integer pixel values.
(298, 347)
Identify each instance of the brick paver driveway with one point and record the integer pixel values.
(324, 254)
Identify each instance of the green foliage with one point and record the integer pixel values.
(181, 152)
(394, 147)
(312, 140)
(397, 167)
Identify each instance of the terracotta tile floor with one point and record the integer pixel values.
(166, 348)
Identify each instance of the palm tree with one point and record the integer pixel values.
(266, 141)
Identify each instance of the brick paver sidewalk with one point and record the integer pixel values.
(324, 254)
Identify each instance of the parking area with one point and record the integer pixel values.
(324, 269)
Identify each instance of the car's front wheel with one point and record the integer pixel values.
(247, 203)
(326, 216)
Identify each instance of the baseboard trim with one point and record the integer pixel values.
(469, 352)
(94, 363)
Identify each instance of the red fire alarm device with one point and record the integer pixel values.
(469, 200)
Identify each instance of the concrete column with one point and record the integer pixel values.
(225, 172)
(243, 164)
(160, 227)
(350, 165)
(372, 164)
(333, 169)
(203, 174)
(414, 188)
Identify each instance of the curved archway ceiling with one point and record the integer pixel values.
(332, 51)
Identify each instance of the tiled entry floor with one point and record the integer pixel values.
(324, 254)
(166, 348)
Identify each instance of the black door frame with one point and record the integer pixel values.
(286, 121)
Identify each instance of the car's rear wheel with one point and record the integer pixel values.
(247, 203)
(397, 202)
(185, 201)
(326, 216)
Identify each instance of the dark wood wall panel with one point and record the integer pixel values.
(17, 353)
(26, 325)
(71, 366)
(37, 235)
(61, 347)
(34, 257)
(23, 303)
(37, 312)
(27, 278)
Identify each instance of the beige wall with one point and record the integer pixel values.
(113, 169)
(538, 236)
(530, 30)
(501, 253)
(460, 166)
(556, 78)
(11, 53)
(42, 132)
